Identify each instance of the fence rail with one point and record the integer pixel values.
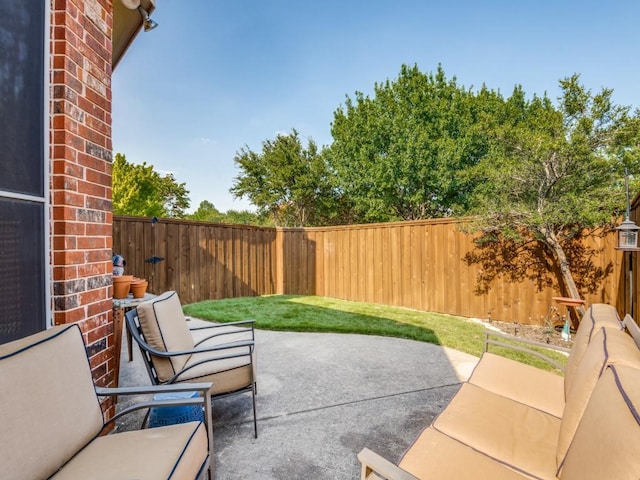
(410, 264)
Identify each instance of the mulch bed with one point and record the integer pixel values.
(537, 333)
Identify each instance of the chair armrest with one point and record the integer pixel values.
(380, 466)
(204, 398)
(632, 327)
(153, 389)
(523, 345)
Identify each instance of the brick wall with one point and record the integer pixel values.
(80, 176)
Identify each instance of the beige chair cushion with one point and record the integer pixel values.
(605, 445)
(510, 432)
(597, 316)
(176, 452)
(165, 328)
(55, 411)
(227, 375)
(523, 383)
(436, 456)
(607, 347)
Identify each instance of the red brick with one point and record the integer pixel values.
(98, 178)
(64, 272)
(90, 270)
(64, 243)
(99, 229)
(100, 307)
(91, 189)
(103, 255)
(68, 228)
(69, 316)
(64, 182)
(63, 213)
(94, 322)
(98, 333)
(91, 108)
(92, 296)
(97, 99)
(69, 257)
(92, 135)
(87, 243)
(98, 125)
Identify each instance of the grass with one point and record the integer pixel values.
(321, 314)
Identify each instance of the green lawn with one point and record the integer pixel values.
(321, 314)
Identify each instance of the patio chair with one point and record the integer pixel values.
(223, 354)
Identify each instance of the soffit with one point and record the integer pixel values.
(127, 23)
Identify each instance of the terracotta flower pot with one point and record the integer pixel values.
(138, 288)
(121, 285)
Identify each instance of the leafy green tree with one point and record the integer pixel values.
(139, 190)
(398, 155)
(554, 174)
(288, 183)
(246, 217)
(206, 212)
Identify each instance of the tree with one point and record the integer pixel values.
(139, 190)
(553, 174)
(206, 212)
(398, 155)
(287, 182)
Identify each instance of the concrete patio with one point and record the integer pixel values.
(321, 399)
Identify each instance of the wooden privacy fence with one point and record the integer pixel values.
(410, 264)
(198, 260)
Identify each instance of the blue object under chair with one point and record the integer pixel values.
(162, 416)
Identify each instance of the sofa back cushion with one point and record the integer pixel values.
(48, 405)
(165, 328)
(607, 347)
(605, 445)
(598, 315)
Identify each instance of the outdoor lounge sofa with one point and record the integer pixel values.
(52, 426)
(512, 421)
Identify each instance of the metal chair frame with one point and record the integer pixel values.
(147, 351)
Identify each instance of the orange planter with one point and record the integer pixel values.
(121, 284)
(138, 288)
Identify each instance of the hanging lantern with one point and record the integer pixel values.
(628, 235)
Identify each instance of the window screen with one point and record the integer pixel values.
(22, 96)
(23, 261)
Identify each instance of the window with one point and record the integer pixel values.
(23, 202)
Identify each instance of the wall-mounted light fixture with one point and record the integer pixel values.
(147, 22)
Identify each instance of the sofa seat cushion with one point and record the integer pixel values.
(510, 432)
(523, 383)
(434, 455)
(227, 375)
(605, 445)
(172, 452)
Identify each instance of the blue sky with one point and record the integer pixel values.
(218, 75)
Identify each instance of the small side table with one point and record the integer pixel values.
(120, 306)
(569, 302)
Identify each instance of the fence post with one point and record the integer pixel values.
(279, 266)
